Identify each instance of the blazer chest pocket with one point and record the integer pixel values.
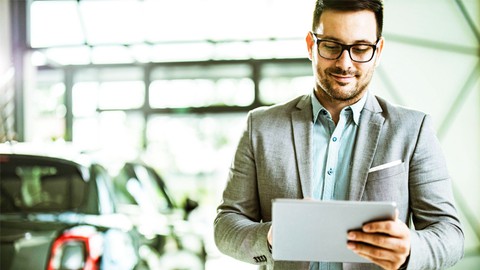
(389, 184)
(387, 172)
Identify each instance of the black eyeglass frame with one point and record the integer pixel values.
(345, 47)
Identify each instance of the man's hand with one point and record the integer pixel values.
(270, 237)
(385, 243)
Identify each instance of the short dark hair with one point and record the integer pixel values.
(376, 6)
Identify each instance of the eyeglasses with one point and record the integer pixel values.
(332, 50)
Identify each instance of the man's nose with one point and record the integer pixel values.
(344, 60)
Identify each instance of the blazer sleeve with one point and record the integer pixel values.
(437, 241)
(238, 229)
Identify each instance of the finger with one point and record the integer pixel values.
(383, 257)
(270, 236)
(379, 240)
(393, 228)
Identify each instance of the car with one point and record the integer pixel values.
(143, 195)
(57, 211)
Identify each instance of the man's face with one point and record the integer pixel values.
(343, 80)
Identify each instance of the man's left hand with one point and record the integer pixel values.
(385, 243)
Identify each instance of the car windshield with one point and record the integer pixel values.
(140, 185)
(36, 184)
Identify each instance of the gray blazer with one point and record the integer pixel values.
(274, 160)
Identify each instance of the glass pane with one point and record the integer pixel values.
(88, 96)
(112, 22)
(275, 90)
(181, 93)
(280, 27)
(165, 24)
(109, 74)
(214, 71)
(193, 152)
(281, 83)
(55, 23)
(86, 133)
(45, 107)
(121, 95)
(199, 86)
(115, 136)
(85, 99)
(201, 93)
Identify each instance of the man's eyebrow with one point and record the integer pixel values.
(360, 41)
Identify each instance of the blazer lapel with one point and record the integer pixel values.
(371, 122)
(302, 139)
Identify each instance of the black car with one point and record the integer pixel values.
(58, 212)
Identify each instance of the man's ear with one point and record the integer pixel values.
(310, 43)
(378, 56)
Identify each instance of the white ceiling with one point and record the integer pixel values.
(127, 31)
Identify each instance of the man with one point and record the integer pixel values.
(343, 143)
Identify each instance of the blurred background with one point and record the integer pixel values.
(170, 83)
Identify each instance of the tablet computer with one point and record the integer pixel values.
(310, 230)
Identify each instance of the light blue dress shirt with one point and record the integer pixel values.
(332, 155)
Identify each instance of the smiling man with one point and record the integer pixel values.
(341, 142)
(343, 72)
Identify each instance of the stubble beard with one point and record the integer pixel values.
(339, 92)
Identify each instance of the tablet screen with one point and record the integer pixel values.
(309, 230)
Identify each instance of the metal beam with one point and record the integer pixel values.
(469, 19)
(18, 11)
(431, 44)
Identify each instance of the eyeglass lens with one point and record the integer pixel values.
(358, 52)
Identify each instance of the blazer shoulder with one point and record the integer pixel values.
(282, 109)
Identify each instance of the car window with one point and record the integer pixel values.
(122, 194)
(32, 184)
(152, 189)
(105, 196)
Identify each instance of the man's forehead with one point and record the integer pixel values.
(348, 25)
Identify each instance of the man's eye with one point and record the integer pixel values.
(330, 46)
(361, 49)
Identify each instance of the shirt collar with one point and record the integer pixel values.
(356, 107)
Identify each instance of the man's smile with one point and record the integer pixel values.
(343, 78)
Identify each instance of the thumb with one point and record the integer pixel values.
(269, 236)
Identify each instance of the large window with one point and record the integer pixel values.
(106, 105)
(184, 119)
(45, 107)
(202, 86)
